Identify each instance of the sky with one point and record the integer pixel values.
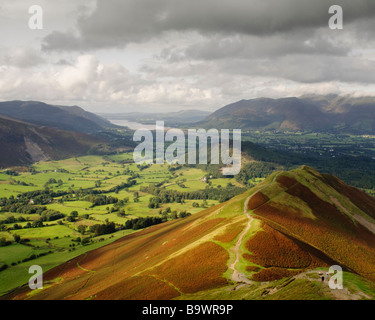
(169, 55)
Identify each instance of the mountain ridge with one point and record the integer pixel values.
(72, 118)
(330, 113)
(287, 227)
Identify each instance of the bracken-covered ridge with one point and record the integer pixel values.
(258, 245)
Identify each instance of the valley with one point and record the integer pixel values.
(219, 253)
(63, 192)
(187, 158)
(104, 227)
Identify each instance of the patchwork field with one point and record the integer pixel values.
(54, 207)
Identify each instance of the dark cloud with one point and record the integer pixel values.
(196, 53)
(117, 22)
(252, 47)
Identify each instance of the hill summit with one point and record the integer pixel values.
(267, 243)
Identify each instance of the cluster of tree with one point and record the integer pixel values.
(181, 215)
(53, 181)
(82, 241)
(256, 170)
(118, 205)
(140, 223)
(123, 185)
(100, 200)
(82, 193)
(155, 202)
(72, 217)
(51, 215)
(100, 229)
(82, 229)
(12, 219)
(35, 224)
(121, 213)
(39, 197)
(16, 226)
(166, 211)
(46, 215)
(162, 195)
(20, 183)
(11, 172)
(169, 214)
(22, 208)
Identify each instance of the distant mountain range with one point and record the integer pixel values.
(290, 224)
(329, 113)
(22, 122)
(61, 117)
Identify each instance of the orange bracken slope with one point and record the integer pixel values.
(299, 220)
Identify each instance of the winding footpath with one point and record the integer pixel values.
(238, 276)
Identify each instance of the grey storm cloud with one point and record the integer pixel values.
(115, 23)
(250, 47)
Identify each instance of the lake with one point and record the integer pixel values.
(132, 125)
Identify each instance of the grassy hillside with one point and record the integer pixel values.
(267, 243)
